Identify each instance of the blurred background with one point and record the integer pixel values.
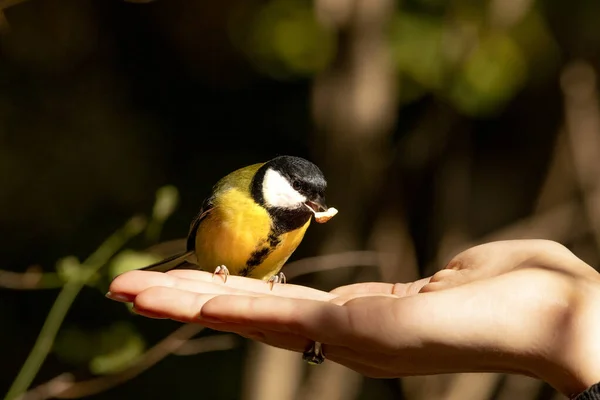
(439, 125)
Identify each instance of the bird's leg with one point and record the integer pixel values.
(221, 270)
(279, 278)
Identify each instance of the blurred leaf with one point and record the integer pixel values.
(491, 75)
(285, 39)
(74, 346)
(104, 351)
(167, 198)
(69, 268)
(533, 36)
(136, 225)
(128, 260)
(416, 42)
(126, 346)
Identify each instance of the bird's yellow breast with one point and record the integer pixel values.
(238, 233)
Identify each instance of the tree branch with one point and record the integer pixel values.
(178, 343)
(63, 302)
(31, 279)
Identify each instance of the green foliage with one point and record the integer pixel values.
(283, 39)
(459, 58)
(416, 43)
(117, 348)
(457, 54)
(167, 198)
(123, 345)
(103, 351)
(69, 268)
(128, 260)
(535, 40)
(490, 76)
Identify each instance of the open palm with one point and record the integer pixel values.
(514, 306)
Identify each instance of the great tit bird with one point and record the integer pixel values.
(254, 219)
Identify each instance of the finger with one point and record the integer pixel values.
(186, 306)
(397, 289)
(254, 285)
(315, 320)
(180, 305)
(434, 287)
(148, 314)
(449, 278)
(128, 285)
(162, 302)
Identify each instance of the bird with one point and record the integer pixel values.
(253, 220)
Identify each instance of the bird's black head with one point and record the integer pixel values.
(291, 188)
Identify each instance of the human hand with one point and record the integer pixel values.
(524, 307)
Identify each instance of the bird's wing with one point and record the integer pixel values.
(169, 263)
(207, 207)
(183, 258)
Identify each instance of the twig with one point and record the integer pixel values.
(65, 382)
(49, 389)
(206, 344)
(31, 279)
(65, 298)
(165, 347)
(177, 343)
(63, 386)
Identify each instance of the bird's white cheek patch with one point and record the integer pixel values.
(278, 192)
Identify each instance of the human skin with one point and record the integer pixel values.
(523, 306)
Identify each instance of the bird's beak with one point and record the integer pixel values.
(317, 204)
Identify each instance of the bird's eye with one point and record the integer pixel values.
(296, 184)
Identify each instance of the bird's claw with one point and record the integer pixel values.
(221, 270)
(279, 278)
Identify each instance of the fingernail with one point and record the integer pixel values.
(147, 314)
(119, 297)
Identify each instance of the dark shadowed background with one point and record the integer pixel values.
(439, 125)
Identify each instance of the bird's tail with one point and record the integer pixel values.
(170, 263)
